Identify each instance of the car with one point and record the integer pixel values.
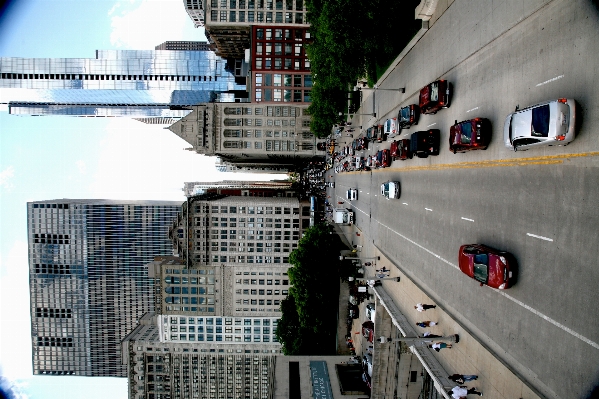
(352, 194)
(473, 134)
(408, 116)
(546, 124)
(367, 364)
(391, 128)
(378, 133)
(425, 143)
(386, 159)
(391, 189)
(487, 265)
(331, 184)
(434, 96)
(400, 149)
(368, 330)
(370, 309)
(353, 311)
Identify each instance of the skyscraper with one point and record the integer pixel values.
(132, 83)
(88, 282)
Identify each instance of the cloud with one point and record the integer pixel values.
(143, 24)
(81, 166)
(10, 389)
(6, 177)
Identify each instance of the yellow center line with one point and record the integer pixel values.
(542, 160)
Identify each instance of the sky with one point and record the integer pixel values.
(43, 158)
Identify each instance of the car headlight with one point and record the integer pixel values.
(502, 286)
(502, 259)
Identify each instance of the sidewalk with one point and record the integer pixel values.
(466, 357)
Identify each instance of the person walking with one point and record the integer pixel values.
(423, 307)
(460, 392)
(440, 345)
(426, 323)
(462, 378)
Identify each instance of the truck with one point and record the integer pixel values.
(343, 216)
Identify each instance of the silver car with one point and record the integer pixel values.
(548, 123)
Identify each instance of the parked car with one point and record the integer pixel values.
(549, 123)
(352, 194)
(353, 311)
(391, 189)
(473, 134)
(391, 128)
(368, 330)
(486, 265)
(434, 96)
(386, 160)
(331, 184)
(370, 309)
(409, 116)
(379, 133)
(425, 143)
(367, 364)
(400, 149)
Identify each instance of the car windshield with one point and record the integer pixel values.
(388, 125)
(481, 271)
(385, 189)
(434, 91)
(466, 135)
(405, 113)
(540, 121)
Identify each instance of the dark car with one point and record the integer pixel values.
(368, 330)
(400, 149)
(379, 134)
(379, 158)
(408, 116)
(386, 161)
(425, 143)
(354, 311)
(486, 265)
(473, 134)
(434, 96)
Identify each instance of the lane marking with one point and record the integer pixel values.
(405, 203)
(428, 209)
(470, 220)
(516, 301)
(539, 237)
(432, 124)
(473, 109)
(550, 80)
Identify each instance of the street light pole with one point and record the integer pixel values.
(419, 340)
(349, 113)
(401, 89)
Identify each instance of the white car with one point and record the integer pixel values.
(352, 194)
(545, 124)
(391, 127)
(391, 189)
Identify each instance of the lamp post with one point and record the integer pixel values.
(401, 89)
(455, 338)
(373, 114)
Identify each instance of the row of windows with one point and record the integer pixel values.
(184, 300)
(261, 282)
(220, 330)
(281, 34)
(259, 292)
(185, 290)
(52, 341)
(270, 110)
(258, 16)
(259, 4)
(256, 122)
(52, 269)
(279, 48)
(278, 145)
(258, 302)
(202, 309)
(191, 280)
(249, 259)
(219, 321)
(70, 76)
(189, 271)
(255, 210)
(279, 95)
(51, 239)
(278, 79)
(282, 63)
(54, 206)
(55, 313)
(219, 337)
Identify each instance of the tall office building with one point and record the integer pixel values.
(89, 285)
(131, 83)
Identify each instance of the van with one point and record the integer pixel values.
(425, 143)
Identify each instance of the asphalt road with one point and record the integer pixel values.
(541, 205)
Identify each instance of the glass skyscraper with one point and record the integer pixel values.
(88, 282)
(131, 83)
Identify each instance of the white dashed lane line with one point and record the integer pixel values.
(473, 109)
(432, 124)
(405, 203)
(470, 220)
(428, 209)
(539, 237)
(550, 80)
(516, 301)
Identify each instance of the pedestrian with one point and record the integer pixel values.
(423, 307)
(462, 378)
(440, 345)
(429, 335)
(383, 270)
(426, 323)
(460, 392)
(381, 275)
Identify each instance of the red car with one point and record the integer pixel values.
(486, 265)
(434, 96)
(400, 149)
(386, 162)
(368, 330)
(474, 134)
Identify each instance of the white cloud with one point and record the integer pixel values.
(81, 166)
(143, 24)
(6, 177)
(11, 389)
(15, 333)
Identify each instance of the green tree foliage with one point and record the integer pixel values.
(352, 39)
(308, 325)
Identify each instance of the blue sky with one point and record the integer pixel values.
(60, 157)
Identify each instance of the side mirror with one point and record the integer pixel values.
(517, 107)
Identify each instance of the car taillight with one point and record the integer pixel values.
(562, 100)
(561, 137)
